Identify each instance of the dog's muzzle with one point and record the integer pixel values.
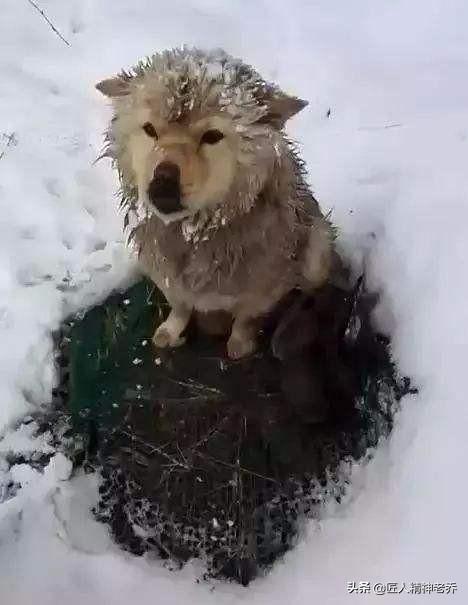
(164, 189)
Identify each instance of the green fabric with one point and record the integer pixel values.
(108, 349)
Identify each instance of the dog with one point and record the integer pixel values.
(215, 193)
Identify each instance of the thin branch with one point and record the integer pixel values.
(196, 386)
(205, 437)
(236, 467)
(158, 450)
(46, 18)
(383, 127)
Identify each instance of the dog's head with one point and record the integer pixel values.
(194, 130)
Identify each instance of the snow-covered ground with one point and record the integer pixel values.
(391, 160)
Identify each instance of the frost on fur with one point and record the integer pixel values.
(197, 80)
(189, 83)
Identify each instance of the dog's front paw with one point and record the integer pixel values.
(239, 347)
(164, 337)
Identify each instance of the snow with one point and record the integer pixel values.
(385, 137)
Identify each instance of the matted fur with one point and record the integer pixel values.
(250, 230)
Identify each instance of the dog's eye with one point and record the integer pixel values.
(211, 137)
(150, 130)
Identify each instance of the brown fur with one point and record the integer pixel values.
(250, 230)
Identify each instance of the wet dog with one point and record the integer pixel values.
(223, 219)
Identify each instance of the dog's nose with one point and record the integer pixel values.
(164, 189)
(167, 171)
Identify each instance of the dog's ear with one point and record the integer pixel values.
(113, 87)
(280, 107)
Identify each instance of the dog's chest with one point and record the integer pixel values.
(216, 266)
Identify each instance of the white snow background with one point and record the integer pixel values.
(391, 160)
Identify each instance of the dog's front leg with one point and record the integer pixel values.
(169, 333)
(243, 339)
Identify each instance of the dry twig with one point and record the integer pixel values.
(46, 18)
